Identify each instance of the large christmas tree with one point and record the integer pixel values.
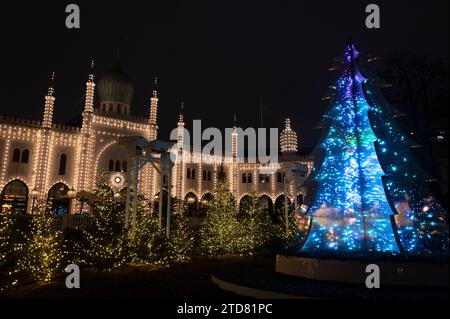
(366, 194)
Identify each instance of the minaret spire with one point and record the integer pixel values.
(181, 118)
(90, 90)
(49, 104)
(180, 129)
(234, 138)
(154, 105)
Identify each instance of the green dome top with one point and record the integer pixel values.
(116, 86)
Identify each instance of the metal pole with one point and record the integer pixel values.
(136, 195)
(286, 214)
(169, 202)
(127, 205)
(161, 198)
(32, 208)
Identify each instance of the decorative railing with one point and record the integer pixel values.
(76, 221)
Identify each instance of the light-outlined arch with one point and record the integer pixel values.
(14, 197)
(267, 204)
(59, 200)
(243, 201)
(100, 154)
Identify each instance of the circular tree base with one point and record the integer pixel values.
(354, 272)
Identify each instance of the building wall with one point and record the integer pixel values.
(43, 167)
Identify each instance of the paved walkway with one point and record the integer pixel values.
(190, 281)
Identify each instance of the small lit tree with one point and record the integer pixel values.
(149, 242)
(5, 239)
(181, 241)
(219, 233)
(106, 237)
(40, 256)
(258, 231)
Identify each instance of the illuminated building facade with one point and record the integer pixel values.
(45, 161)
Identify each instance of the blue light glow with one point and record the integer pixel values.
(358, 190)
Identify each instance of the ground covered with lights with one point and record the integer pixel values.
(192, 281)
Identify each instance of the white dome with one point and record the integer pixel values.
(288, 140)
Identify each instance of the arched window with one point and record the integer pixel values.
(62, 164)
(244, 178)
(111, 107)
(188, 173)
(14, 198)
(16, 156)
(194, 174)
(119, 108)
(118, 166)
(249, 178)
(205, 176)
(25, 157)
(59, 200)
(111, 165)
(209, 175)
(125, 166)
(279, 178)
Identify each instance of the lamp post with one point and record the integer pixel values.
(83, 196)
(72, 193)
(34, 195)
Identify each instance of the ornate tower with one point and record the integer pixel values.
(90, 91)
(153, 120)
(289, 140)
(180, 162)
(86, 146)
(234, 139)
(180, 128)
(44, 142)
(49, 104)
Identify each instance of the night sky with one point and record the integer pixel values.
(219, 57)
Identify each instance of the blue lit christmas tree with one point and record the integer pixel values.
(366, 194)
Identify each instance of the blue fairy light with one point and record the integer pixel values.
(355, 199)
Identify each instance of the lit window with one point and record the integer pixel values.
(25, 157)
(16, 156)
(62, 164)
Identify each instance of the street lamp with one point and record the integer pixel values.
(72, 193)
(83, 196)
(34, 195)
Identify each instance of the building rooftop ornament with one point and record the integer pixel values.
(289, 139)
(154, 105)
(181, 119)
(90, 91)
(116, 86)
(49, 104)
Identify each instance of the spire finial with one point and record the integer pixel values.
(288, 123)
(91, 71)
(51, 88)
(182, 112)
(155, 88)
(235, 120)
